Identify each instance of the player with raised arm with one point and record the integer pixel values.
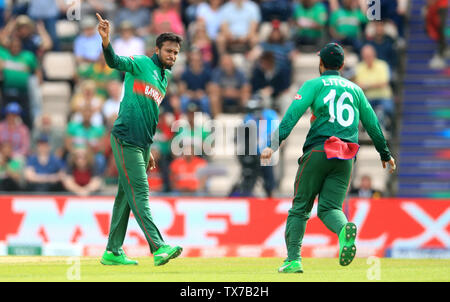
(328, 154)
(145, 85)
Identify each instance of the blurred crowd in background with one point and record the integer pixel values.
(238, 56)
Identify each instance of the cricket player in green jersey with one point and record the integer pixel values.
(328, 154)
(145, 84)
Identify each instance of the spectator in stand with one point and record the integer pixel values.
(18, 66)
(100, 73)
(185, 172)
(82, 177)
(276, 43)
(87, 135)
(46, 127)
(192, 133)
(229, 90)
(208, 12)
(275, 10)
(239, 28)
(48, 11)
(372, 75)
(88, 45)
(204, 44)
(162, 151)
(10, 169)
(188, 9)
(134, 12)
(194, 83)
(250, 147)
(435, 22)
(111, 107)
(14, 132)
(34, 37)
(155, 176)
(106, 8)
(394, 10)
(270, 81)
(128, 44)
(2, 13)
(383, 44)
(346, 24)
(167, 18)
(43, 171)
(110, 112)
(87, 96)
(310, 17)
(365, 189)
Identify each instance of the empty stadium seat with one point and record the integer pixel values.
(55, 99)
(368, 163)
(266, 28)
(59, 65)
(306, 67)
(67, 29)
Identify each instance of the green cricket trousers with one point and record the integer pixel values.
(330, 179)
(133, 193)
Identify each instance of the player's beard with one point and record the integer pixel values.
(166, 66)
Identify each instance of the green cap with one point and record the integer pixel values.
(332, 55)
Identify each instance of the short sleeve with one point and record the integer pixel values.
(216, 76)
(242, 79)
(255, 13)
(322, 14)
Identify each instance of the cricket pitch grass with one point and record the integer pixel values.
(87, 269)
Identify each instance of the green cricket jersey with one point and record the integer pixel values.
(337, 105)
(18, 68)
(348, 22)
(317, 13)
(144, 89)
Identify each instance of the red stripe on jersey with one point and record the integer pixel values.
(148, 90)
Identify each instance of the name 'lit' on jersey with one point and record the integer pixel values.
(337, 106)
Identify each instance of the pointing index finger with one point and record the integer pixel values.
(99, 17)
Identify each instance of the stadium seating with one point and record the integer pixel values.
(59, 65)
(60, 69)
(55, 99)
(424, 138)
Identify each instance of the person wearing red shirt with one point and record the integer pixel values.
(184, 173)
(435, 19)
(14, 131)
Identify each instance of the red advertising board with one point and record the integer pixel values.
(224, 226)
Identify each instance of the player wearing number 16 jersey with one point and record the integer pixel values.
(328, 154)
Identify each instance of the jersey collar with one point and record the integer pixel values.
(330, 72)
(157, 62)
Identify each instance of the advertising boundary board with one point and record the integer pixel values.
(222, 227)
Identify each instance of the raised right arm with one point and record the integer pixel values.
(127, 64)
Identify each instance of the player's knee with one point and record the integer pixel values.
(300, 213)
(321, 213)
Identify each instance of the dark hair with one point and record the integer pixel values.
(168, 37)
(268, 57)
(331, 67)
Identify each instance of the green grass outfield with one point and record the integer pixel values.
(35, 268)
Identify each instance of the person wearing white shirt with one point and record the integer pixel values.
(239, 26)
(111, 106)
(209, 12)
(128, 44)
